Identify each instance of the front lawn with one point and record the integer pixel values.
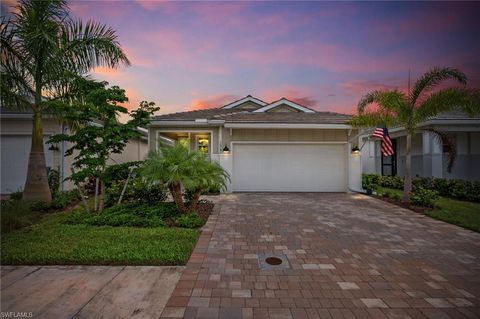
(52, 241)
(462, 213)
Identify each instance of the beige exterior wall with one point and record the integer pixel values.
(223, 136)
(134, 151)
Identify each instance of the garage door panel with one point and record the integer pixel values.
(289, 167)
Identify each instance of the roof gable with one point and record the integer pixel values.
(249, 103)
(281, 104)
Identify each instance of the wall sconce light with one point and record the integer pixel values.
(355, 150)
(226, 150)
(53, 147)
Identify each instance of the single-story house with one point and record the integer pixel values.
(15, 143)
(428, 158)
(268, 147)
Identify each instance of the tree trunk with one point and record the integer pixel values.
(36, 185)
(407, 185)
(193, 205)
(176, 191)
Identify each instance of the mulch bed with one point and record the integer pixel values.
(205, 208)
(418, 209)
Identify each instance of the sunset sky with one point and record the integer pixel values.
(188, 55)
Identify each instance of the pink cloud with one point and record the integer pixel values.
(150, 4)
(212, 101)
(326, 56)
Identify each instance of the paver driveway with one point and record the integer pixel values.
(350, 256)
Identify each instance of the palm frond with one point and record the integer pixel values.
(90, 45)
(373, 119)
(388, 101)
(464, 99)
(434, 77)
(448, 146)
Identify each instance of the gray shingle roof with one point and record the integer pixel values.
(238, 116)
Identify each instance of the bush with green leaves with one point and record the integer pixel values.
(53, 176)
(15, 214)
(370, 181)
(129, 215)
(137, 191)
(119, 172)
(188, 221)
(454, 188)
(424, 197)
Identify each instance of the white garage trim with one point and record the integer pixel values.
(344, 167)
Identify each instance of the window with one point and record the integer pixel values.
(203, 145)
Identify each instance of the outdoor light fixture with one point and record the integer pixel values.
(53, 147)
(355, 150)
(226, 150)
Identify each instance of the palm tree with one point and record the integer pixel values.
(179, 169)
(396, 108)
(40, 47)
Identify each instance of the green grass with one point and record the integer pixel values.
(52, 242)
(457, 212)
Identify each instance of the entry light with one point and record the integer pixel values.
(355, 150)
(226, 150)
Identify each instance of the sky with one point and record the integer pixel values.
(324, 55)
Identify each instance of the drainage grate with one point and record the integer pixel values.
(272, 262)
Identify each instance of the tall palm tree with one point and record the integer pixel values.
(408, 110)
(40, 46)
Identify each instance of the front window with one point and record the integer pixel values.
(203, 145)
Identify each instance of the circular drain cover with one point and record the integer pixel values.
(274, 261)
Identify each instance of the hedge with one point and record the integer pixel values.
(454, 188)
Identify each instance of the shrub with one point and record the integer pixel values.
(137, 192)
(454, 188)
(53, 176)
(189, 221)
(391, 181)
(63, 199)
(119, 172)
(370, 181)
(424, 197)
(16, 195)
(15, 214)
(133, 215)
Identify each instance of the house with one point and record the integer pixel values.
(15, 142)
(268, 147)
(428, 158)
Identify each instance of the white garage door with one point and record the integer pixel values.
(15, 150)
(289, 167)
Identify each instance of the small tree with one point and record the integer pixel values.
(179, 169)
(97, 133)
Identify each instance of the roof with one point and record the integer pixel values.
(455, 115)
(229, 114)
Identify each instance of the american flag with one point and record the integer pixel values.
(387, 147)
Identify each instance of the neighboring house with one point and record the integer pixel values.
(428, 158)
(272, 147)
(15, 143)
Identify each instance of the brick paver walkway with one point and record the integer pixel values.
(350, 256)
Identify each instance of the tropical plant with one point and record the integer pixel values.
(408, 110)
(41, 46)
(178, 168)
(95, 142)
